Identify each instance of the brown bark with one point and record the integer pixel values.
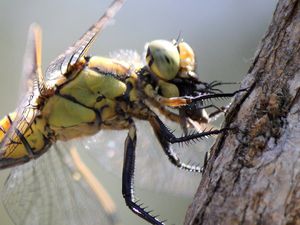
(253, 173)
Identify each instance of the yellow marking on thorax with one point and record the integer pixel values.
(61, 112)
(33, 135)
(109, 65)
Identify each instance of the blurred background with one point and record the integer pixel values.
(223, 34)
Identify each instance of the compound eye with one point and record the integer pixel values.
(187, 57)
(163, 59)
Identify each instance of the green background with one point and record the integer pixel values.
(224, 35)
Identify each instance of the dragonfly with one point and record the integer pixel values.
(80, 95)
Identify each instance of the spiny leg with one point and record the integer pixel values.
(214, 114)
(166, 138)
(211, 87)
(200, 97)
(186, 100)
(219, 110)
(172, 116)
(180, 118)
(128, 176)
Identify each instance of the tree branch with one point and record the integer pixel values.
(253, 174)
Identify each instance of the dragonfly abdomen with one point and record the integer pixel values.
(21, 146)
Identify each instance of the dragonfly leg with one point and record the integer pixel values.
(172, 116)
(166, 138)
(175, 102)
(186, 100)
(219, 110)
(128, 176)
(211, 87)
(215, 114)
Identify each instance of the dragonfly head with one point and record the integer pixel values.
(163, 59)
(170, 59)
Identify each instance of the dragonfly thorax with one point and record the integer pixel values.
(89, 101)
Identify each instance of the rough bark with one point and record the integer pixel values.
(253, 173)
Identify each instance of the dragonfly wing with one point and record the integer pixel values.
(52, 190)
(62, 64)
(32, 86)
(32, 73)
(153, 169)
(127, 56)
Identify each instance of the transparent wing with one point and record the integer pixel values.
(127, 56)
(153, 169)
(32, 85)
(54, 190)
(64, 62)
(31, 73)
